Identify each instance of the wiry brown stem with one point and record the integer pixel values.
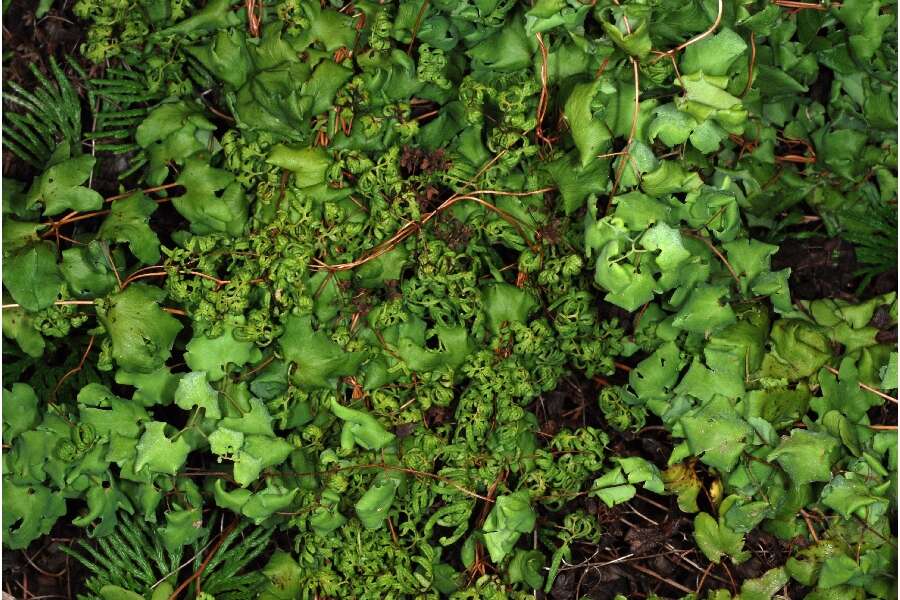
(804, 5)
(696, 38)
(868, 388)
(752, 64)
(73, 370)
(545, 92)
(717, 252)
(414, 226)
(417, 24)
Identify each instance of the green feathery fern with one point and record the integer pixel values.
(120, 102)
(222, 576)
(133, 562)
(51, 116)
(873, 232)
(133, 557)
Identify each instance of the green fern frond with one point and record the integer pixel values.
(49, 115)
(221, 574)
(873, 232)
(122, 103)
(134, 558)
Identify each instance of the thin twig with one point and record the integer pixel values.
(796, 158)
(430, 113)
(650, 501)
(487, 166)
(132, 278)
(588, 563)
(679, 555)
(809, 525)
(869, 528)
(199, 572)
(545, 93)
(418, 23)
(752, 64)
(730, 577)
(804, 5)
(641, 515)
(262, 365)
(703, 579)
(715, 251)
(112, 263)
(74, 370)
(172, 311)
(209, 556)
(40, 570)
(634, 119)
(696, 38)
(862, 385)
(138, 275)
(602, 68)
(665, 580)
(394, 537)
(57, 303)
(253, 17)
(414, 226)
(55, 225)
(219, 113)
(149, 190)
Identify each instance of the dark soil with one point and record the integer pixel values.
(827, 268)
(42, 570)
(28, 41)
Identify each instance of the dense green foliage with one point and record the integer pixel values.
(396, 227)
